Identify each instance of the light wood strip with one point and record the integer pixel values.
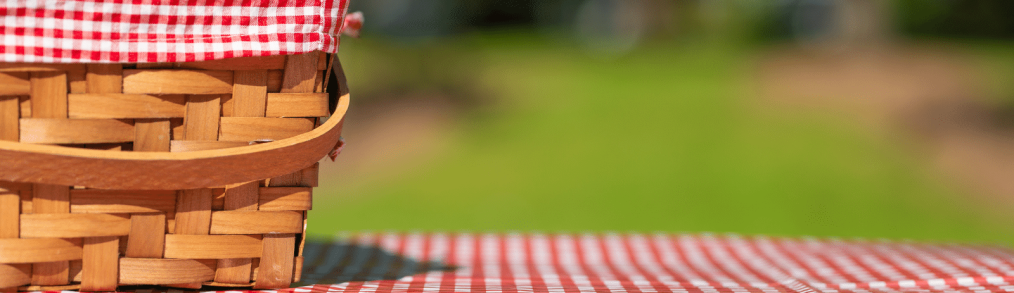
(250, 93)
(297, 105)
(228, 104)
(10, 108)
(240, 63)
(247, 222)
(100, 264)
(147, 236)
(300, 73)
(10, 213)
(13, 275)
(152, 135)
(15, 84)
(242, 196)
(75, 131)
(55, 200)
(276, 263)
(103, 201)
(76, 80)
(291, 179)
(202, 119)
(233, 271)
(193, 212)
(194, 82)
(255, 128)
(125, 106)
(178, 146)
(285, 198)
(212, 246)
(73, 225)
(105, 78)
(297, 268)
(151, 271)
(49, 95)
(39, 250)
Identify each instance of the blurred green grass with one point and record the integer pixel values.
(663, 139)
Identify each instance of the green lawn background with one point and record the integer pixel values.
(665, 138)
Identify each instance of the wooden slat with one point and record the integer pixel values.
(102, 201)
(275, 80)
(147, 236)
(25, 103)
(55, 200)
(76, 80)
(193, 212)
(241, 63)
(100, 264)
(125, 106)
(75, 131)
(243, 196)
(75, 270)
(202, 120)
(152, 135)
(150, 271)
(247, 222)
(251, 128)
(10, 213)
(227, 105)
(105, 78)
(276, 262)
(297, 105)
(49, 95)
(233, 271)
(10, 108)
(179, 130)
(285, 198)
(249, 93)
(177, 146)
(300, 73)
(287, 180)
(32, 67)
(297, 268)
(212, 246)
(73, 225)
(15, 84)
(13, 275)
(39, 250)
(156, 65)
(195, 82)
(309, 176)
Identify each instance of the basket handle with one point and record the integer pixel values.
(169, 171)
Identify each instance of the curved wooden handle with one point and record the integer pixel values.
(166, 171)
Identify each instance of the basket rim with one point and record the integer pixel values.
(149, 171)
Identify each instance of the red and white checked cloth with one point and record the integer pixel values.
(77, 31)
(647, 263)
(380, 263)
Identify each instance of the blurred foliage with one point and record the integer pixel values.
(955, 19)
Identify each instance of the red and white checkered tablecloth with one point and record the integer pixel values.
(604, 263)
(77, 31)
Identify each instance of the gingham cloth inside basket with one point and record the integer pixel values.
(604, 263)
(136, 31)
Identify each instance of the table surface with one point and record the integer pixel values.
(435, 262)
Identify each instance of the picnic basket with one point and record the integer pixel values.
(181, 173)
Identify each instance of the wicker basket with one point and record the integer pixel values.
(171, 174)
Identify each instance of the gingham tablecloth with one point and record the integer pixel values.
(74, 31)
(604, 263)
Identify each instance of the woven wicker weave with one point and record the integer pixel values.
(58, 237)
